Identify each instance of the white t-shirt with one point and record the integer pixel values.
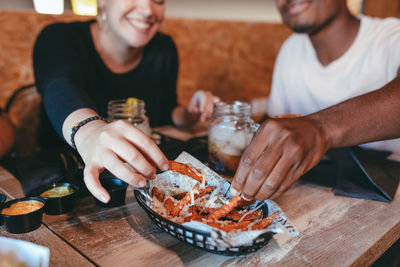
(302, 85)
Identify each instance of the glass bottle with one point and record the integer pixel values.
(131, 109)
(230, 132)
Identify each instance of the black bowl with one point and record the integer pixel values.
(58, 205)
(117, 190)
(199, 238)
(18, 224)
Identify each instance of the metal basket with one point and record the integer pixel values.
(198, 238)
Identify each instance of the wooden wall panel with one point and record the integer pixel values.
(232, 59)
(382, 8)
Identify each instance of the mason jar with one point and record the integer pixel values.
(230, 132)
(132, 110)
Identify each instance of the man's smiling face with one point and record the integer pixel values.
(309, 16)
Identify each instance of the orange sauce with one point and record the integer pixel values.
(22, 207)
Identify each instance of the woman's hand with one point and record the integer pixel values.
(281, 151)
(200, 108)
(113, 146)
(201, 104)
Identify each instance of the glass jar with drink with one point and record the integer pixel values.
(230, 132)
(131, 109)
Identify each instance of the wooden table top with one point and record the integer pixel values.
(334, 231)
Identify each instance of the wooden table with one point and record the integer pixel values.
(334, 231)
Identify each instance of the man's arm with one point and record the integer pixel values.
(284, 149)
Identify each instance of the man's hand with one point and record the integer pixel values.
(280, 152)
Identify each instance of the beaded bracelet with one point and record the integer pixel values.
(79, 125)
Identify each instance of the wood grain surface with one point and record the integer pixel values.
(334, 231)
(61, 254)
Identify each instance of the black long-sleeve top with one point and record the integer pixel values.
(70, 75)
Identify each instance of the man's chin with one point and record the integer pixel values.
(301, 28)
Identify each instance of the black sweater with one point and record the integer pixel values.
(70, 75)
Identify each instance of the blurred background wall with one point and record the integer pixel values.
(244, 10)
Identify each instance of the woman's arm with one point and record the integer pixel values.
(112, 146)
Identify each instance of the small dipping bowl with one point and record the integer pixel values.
(22, 221)
(59, 197)
(117, 190)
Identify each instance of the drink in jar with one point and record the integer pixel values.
(132, 110)
(230, 132)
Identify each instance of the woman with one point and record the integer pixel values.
(81, 66)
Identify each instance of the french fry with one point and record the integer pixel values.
(205, 191)
(156, 192)
(195, 215)
(227, 226)
(225, 209)
(236, 216)
(243, 225)
(245, 203)
(201, 193)
(169, 205)
(185, 170)
(264, 223)
(183, 202)
(206, 210)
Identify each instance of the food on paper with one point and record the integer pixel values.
(204, 204)
(236, 223)
(186, 169)
(59, 191)
(22, 207)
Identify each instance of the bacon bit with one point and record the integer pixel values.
(225, 209)
(183, 202)
(264, 223)
(159, 195)
(185, 170)
(180, 195)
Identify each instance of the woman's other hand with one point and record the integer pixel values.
(202, 103)
(281, 151)
(200, 108)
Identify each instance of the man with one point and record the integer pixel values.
(332, 57)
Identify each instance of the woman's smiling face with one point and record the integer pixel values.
(135, 22)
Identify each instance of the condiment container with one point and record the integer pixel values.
(58, 203)
(22, 222)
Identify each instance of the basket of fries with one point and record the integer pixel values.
(193, 204)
